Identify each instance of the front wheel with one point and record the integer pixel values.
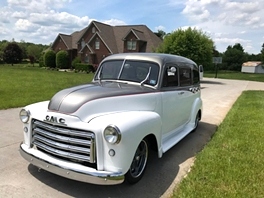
(197, 119)
(138, 164)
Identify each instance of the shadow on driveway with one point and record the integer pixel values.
(211, 82)
(158, 177)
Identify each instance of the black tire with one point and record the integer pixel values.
(139, 163)
(197, 120)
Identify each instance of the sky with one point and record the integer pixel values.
(226, 22)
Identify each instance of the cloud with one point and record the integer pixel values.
(160, 27)
(19, 15)
(196, 11)
(5, 14)
(232, 12)
(25, 25)
(59, 18)
(37, 5)
(114, 22)
(3, 31)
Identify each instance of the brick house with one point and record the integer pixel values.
(98, 40)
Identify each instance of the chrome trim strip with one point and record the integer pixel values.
(61, 138)
(66, 131)
(93, 178)
(61, 145)
(62, 153)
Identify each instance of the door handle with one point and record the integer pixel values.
(180, 93)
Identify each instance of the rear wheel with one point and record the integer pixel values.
(138, 164)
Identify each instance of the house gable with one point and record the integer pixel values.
(60, 43)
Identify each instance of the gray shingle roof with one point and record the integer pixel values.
(113, 36)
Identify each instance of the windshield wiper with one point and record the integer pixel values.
(141, 83)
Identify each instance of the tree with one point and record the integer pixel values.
(190, 43)
(239, 47)
(41, 61)
(34, 51)
(160, 34)
(262, 53)
(62, 59)
(234, 57)
(23, 47)
(50, 59)
(12, 54)
(3, 45)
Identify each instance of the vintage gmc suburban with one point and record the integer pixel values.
(102, 132)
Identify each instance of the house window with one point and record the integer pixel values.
(86, 60)
(93, 30)
(97, 44)
(131, 45)
(83, 43)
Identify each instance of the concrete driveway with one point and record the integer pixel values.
(19, 179)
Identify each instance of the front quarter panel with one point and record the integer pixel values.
(134, 126)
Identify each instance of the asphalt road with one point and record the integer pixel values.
(19, 179)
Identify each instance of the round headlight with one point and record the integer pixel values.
(24, 115)
(112, 134)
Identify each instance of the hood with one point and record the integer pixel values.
(71, 99)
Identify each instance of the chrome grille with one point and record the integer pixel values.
(70, 144)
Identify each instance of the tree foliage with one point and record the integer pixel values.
(50, 59)
(262, 53)
(62, 59)
(12, 54)
(41, 61)
(190, 43)
(234, 57)
(28, 49)
(75, 61)
(34, 51)
(160, 34)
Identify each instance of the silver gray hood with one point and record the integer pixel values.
(70, 100)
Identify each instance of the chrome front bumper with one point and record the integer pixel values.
(93, 176)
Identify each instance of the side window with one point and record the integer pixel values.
(170, 78)
(196, 76)
(185, 76)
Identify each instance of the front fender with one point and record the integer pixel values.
(134, 126)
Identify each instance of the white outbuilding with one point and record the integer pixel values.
(253, 67)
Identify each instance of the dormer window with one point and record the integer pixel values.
(97, 43)
(131, 45)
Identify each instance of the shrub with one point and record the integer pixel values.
(76, 61)
(50, 59)
(84, 67)
(62, 59)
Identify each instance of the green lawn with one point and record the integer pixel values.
(232, 163)
(20, 85)
(235, 75)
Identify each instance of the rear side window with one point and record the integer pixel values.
(196, 76)
(185, 76)
(170, 78)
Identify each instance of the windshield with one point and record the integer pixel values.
(128, 70)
